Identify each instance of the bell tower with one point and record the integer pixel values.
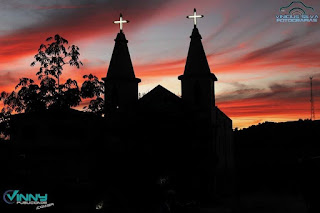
(121, 85)
(197, 81)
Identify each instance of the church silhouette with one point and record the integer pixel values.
(159, 151)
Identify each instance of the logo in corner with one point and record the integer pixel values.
(11, 197)
(297, 11)
(14, 197)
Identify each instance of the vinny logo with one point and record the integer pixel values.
(14, 197)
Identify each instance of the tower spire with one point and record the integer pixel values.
(120, 66)
(121, 84)
(197, 63)
(197, 81)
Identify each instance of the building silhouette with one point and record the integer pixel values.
(145, 152)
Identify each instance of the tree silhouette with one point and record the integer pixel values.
(25, 98)
(54, 56)
(4, 119)
(50, 93)
(28, 96)
(91, 88)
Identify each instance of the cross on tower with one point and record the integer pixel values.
(195, 16)
(120, 22)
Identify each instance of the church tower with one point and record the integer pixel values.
(197, 82)
(121, 85)
(198, 96)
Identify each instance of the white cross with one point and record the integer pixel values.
(121, 21)
(195, 16)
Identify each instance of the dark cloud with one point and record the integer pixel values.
(287, 52)
(267, 51)
(278, 100)
(279, 92)
(241, 91)
(78, 23)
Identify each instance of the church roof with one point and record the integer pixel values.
(160, 98)
(120, 65)
(197, 64)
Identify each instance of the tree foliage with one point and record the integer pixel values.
(53, 56)
(93, 88)
(29, 96)
(25, 98)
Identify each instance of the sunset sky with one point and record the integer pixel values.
(262, 66)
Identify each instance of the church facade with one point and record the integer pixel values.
(184, 140)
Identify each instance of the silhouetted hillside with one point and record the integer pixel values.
(271, 155)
